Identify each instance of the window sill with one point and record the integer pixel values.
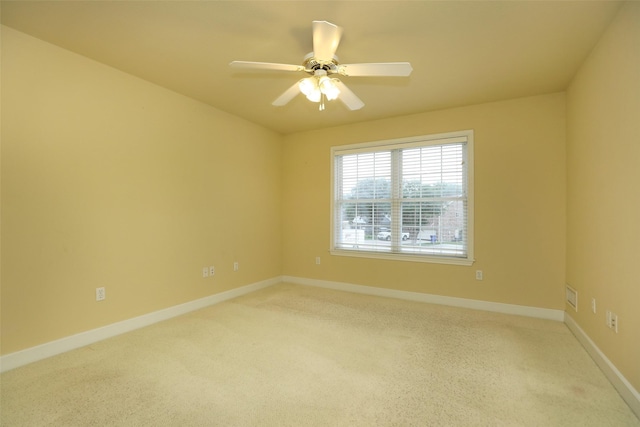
(403, 257)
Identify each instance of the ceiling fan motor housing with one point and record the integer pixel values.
(311, 64)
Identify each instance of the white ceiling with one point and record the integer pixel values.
(462, 52)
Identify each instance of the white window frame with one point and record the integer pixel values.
(465, 136)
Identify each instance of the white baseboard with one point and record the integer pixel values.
(520, 310)
(624, 387)
(33, 354)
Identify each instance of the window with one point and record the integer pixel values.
(408, 199)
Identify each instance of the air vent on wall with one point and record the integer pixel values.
(572, 297)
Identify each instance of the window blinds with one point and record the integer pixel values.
(408, 198)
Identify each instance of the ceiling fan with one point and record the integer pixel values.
(321, 65)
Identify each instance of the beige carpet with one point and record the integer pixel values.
(301, 356)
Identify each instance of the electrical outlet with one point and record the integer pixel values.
(478, 274)
(236, 266)
(100, 294)
(205, 272)
(317, 260)
(212, 270)
(614, 322)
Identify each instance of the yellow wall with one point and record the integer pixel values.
(519, 204)
(108, 180)
(603, 210)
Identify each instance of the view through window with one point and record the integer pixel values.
(407, 199)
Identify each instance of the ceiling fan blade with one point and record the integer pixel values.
(391, 69)
(270, 66)
(287, 96)
(326, 38)
(349, 98)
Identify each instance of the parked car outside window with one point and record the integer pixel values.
(386, 235)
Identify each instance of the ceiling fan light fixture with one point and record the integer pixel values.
(308, 86)
(315, 96)
(318, 86)
(328, 88)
